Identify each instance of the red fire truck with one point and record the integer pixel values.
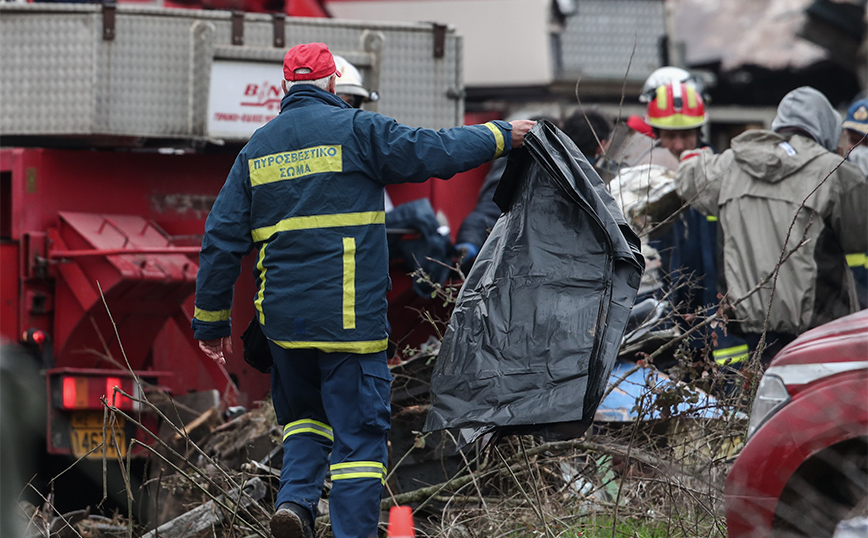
(118, 132)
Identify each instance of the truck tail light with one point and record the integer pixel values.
(34, 336)
(74, 392)
(86, 392)
(111, 396)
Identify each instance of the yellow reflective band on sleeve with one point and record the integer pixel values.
(208, 315)
(731, 355)
(260, 295)
(498, 139)
(358, 469)
(857, 260)
(294, 164)
(308, 426)
(314, 222)
(349, 301)
(369, 346)
(711, 218)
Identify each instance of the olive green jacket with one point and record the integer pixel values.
(783, 201)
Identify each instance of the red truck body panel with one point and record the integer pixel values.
(292, 8)
(826, 374)
(70, 210)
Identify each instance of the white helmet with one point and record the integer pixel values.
(665, 75)
(350, 81)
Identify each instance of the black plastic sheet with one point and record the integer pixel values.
(538, 323)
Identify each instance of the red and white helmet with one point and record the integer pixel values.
(667, 74)
(661, 76)
(676, 106)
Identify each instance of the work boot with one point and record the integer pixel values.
(292, 521)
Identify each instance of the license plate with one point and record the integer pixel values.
(85, 433)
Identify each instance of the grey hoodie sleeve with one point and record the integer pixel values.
(697, 181)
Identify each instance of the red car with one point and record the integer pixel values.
(805, 465)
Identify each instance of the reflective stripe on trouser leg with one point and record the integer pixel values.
(356, 389)
(354, 502)
(731, 355)
(307, 436)
(308, 426)
(358, 469)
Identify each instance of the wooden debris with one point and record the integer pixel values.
(208, 515)
(201, 426)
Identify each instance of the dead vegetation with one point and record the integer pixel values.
(215, 472)
(667, 472)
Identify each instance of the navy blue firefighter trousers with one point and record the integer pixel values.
(334, 409)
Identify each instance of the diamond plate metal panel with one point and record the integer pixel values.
(415, 88)
(414, 85)
(599, 40)
(148, 76)
(152, 80)
(48, 70)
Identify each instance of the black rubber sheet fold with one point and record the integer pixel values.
(539, 320)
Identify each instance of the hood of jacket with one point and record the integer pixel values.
(808, 109)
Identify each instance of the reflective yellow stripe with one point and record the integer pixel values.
(369, 346)
(691, 97)
(731, 355)
(857, 260)
(261, 294)
(308, 426)
(662, 98)
(498, 138)
(208, 315)
(294, 164)
(358, 469)
(349, 283)
(677, 122)
(711, 218)
(313, 222)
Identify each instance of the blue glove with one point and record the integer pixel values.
(466, 254)
(468, 251)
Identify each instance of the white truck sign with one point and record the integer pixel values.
(244, 96)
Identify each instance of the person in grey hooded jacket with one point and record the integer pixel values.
(789, 209)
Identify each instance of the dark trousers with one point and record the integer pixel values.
(733, 352)
(774, 343)
(334, 408)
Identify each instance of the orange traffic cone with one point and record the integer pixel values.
(401, 522)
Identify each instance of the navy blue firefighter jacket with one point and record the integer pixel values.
(307, 189)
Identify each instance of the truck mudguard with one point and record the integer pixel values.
(538, 323)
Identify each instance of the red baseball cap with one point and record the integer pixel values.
(313, 56)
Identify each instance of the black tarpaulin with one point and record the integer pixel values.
(538, 323)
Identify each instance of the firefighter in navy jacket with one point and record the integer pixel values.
(308, 191)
